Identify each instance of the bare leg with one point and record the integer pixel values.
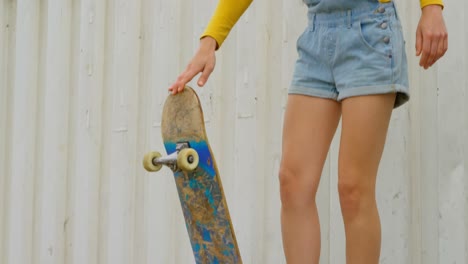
(365, 124)
(309, 126)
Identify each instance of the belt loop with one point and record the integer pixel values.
(349, 18)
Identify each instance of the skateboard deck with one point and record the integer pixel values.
(197, 179)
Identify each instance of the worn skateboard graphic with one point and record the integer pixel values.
(197, 179)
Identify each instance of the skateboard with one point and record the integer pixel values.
(197, 179)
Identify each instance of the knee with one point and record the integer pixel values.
(350, 194)
(297, 190)
(355, 196)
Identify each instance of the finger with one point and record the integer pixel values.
(426, 49)
(205, 75)
(418, 42)
(175, 85)
(171, 87)
(434, 48)
(445, 43)
(183, 79)
(179, 80)
(440, 51)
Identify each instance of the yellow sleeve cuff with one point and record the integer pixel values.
(431, 2)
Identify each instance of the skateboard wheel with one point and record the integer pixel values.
(148, 163)
(187, 159)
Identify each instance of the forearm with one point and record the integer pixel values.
(225, 17)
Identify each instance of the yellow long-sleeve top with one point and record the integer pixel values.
(228, 13)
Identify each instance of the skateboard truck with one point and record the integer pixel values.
(184, 158)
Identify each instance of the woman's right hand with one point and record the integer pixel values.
(204, 61)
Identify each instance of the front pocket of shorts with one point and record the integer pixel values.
(374, 36)
(302, 38)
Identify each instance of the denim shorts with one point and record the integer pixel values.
(356, 52)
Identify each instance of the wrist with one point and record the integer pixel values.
(209, 43)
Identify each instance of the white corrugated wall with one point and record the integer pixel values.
(82, 85)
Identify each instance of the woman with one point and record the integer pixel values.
(352, 64)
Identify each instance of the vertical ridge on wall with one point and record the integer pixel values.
(140, 242)
(5, 29)
(267, 153)
(186, 35)
(39, 118)
(465, 131)
(86, 129)
(51, 196)
(122, 88)
(105, 139)
(415, 142)
(23, 161)
(263, 164)
(75, 24)
(142, 245)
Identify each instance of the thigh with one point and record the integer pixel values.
(364, 130)
(309, 126)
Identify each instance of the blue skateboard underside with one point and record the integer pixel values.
(206, 216)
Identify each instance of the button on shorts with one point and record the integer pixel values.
(353, 52)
